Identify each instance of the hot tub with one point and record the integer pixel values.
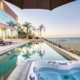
(54, 70)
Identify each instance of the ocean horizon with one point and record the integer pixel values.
(64, 38)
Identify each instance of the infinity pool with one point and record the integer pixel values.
(38, 51)
(30, 51)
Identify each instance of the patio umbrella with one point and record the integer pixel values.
(39, 4)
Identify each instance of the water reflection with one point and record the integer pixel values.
(41, 53)
(26, 54)
(37, 51)
(29, 50)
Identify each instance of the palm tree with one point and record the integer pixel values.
(28, 26)
(20, 29)
(34, 29)
(20, 33)
(41, 27)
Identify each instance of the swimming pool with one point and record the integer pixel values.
(38, 51)
(30, 51)
(54, 70)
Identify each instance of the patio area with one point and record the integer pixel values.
(16, 43)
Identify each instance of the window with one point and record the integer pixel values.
(4, 17)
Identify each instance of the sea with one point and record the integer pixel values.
(73, 39)
(70, 42)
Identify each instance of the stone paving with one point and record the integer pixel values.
(15, 75)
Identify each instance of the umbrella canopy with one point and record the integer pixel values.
(39, 4)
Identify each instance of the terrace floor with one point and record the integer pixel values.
(16, 43)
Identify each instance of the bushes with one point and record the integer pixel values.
(59, 45)
(36, 37)
(21, 35)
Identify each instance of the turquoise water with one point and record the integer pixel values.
(30, 51)
(55, 74)
(7, 64)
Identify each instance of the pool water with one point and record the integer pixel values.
(30, 51)
(7, 64)
(38, 51)
(55, 74)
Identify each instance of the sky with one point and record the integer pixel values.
(63, 21)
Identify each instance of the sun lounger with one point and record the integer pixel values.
(5, 42)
